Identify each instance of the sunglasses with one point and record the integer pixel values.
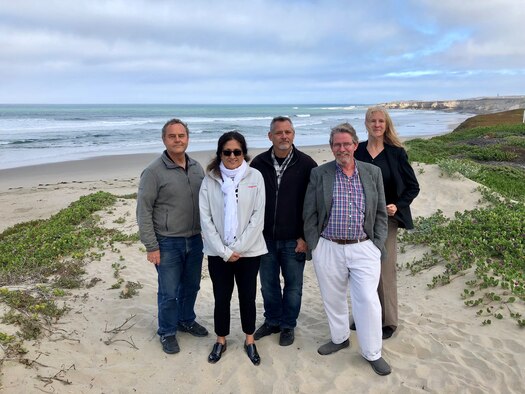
(228, 153)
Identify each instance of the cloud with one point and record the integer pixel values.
(255, 51)
(492, 30)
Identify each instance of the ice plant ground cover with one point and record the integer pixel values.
(489, 149)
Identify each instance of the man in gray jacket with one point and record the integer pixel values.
(169, 228)
(345, 225)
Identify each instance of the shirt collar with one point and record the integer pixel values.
(339, 169)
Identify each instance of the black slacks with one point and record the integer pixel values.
(223, 276)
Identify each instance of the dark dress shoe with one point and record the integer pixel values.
(216, 352)
(251, 351)
(388, 332)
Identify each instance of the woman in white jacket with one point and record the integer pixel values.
(231, 202)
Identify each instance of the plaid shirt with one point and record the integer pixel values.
(348, 208)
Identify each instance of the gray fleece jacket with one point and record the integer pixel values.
(168, 200)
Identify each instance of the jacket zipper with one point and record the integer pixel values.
(277, 186)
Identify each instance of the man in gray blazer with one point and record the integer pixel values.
(345, 225)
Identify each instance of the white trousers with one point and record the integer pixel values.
(359, 265)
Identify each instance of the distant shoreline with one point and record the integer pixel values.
(480, 105)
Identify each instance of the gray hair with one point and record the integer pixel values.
(281, 119)
(344, 128)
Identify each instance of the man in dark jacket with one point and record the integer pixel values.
(286, 172)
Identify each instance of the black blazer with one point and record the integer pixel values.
(407, 187)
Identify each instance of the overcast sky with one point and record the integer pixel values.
(262, 51)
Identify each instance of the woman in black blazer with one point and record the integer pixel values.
(385, 150)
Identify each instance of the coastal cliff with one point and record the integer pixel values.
(481, 105)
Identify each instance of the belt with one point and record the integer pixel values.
(348, 241)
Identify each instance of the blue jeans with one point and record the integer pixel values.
(281, 307)
(179, 277)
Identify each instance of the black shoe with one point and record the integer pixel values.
(380, 366)
(265, 330)
(251, 351)
(194, 329)
(330, 347)
(170, 344)
(216, 352)
(352, 326)
(287, 337)
(388, 332)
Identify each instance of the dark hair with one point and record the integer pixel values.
(214, 164)
(281, 119)
(171, 122)
(344, 128)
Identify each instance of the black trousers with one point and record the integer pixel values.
(223, 276)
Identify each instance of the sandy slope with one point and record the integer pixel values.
(440, 346)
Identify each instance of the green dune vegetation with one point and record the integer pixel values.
(41, 259)
(489, 149)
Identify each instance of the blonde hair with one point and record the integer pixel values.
(391, 137)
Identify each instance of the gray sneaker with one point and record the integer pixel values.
(330, 347)
(170, 344)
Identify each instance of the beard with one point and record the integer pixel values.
(344, 159)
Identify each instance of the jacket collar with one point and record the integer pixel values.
(268, 155)
(170, 164)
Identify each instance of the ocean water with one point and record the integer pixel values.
(37, 134)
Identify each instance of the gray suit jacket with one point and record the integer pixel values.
(318, 203)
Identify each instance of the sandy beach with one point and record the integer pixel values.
(440, 346)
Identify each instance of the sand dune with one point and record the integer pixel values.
(440, 346)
